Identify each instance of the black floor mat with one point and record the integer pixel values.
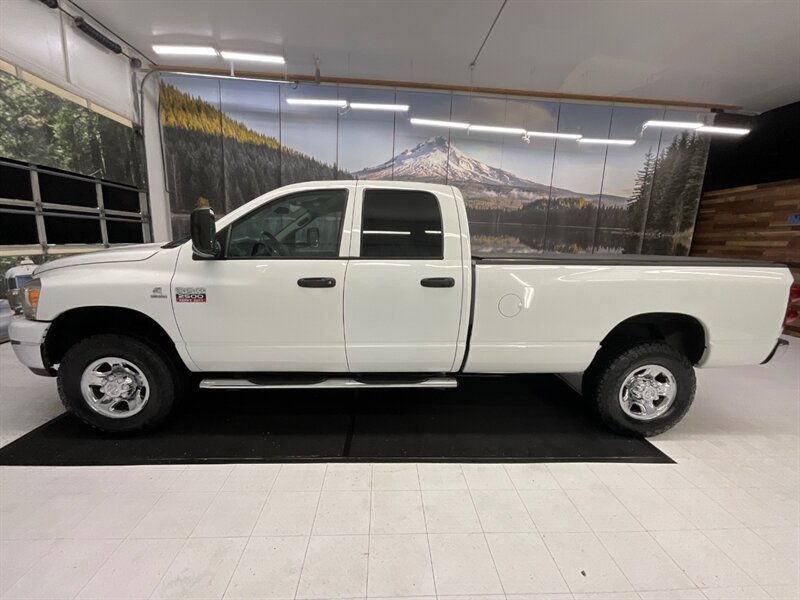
(522, 419)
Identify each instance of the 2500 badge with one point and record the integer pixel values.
(190, 294)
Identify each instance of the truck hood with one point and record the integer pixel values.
(122, 254)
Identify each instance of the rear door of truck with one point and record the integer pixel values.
(404, 287)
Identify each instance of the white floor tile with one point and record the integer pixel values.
(783, 592)
(553, 511)
(300, 478)
(531, 477)
(251, 478)
(756, 557)
(785, 540)
(335, 567)
(269, 568)
(662, 476)
(395, 476)
(17, 556)
(231, 514)
(148, 478)
(434, 476)
(501, 511)
(348, 477)
(341, 513)
(746, 508)
(524, 564)
(487, 477)
(750, 592)
(400, 565)
(687, 594)
(115, 515)
(571, 476)
(652, 510)
(397, 512)
(602, 511)
(701, 560)
(133, 571)
(201, 569)
(450, 512)
(619, 476)
(462, 564)
(585, 565)
(287, 513)
(175, 515)
(201, 478)
(701, 511)
(64, 570)
(646, 565)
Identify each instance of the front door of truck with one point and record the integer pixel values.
(404, 291)
(274, 300)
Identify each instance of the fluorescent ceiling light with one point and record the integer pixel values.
(609, 142)
(434, 123)
(317, 102)
(247, 56)
(185, 50)
(374, 106)
(564, 136)
(724, 130)
(492, 129)
(261, 79)
(674, 124)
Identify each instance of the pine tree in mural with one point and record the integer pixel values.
(666, 195)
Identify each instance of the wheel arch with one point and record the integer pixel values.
(685, 333)
(76, 324)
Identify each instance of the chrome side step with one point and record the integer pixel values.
(332, 383)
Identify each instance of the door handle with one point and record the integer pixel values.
(438, 282)
(316, 282)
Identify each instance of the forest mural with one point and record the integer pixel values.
(227, 141)
(37, 126)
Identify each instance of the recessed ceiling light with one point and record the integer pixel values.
(564, 136)
(185, 50)
(493, 129)
(724, 130)
(375, 106)
(674, 124)
(434, 123)
(609, 142)
(317, 102)
(250, 57)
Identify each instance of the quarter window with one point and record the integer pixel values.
(401, 224)
(305, 225)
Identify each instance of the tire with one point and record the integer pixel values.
(161, 383)
(611, 372)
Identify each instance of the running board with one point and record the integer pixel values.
(332, 383)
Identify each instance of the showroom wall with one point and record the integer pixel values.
(228, 141)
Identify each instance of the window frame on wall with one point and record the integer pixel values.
(43, 209)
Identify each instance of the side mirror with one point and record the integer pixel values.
(312, 237)
(204, 233)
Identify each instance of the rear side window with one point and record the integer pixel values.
(401, 224)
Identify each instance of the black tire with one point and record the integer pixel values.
(608, 373)
(165, 382)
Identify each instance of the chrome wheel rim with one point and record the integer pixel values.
(647, 392)
(115, 387)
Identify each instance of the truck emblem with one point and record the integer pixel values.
(190, 294)
(157, 293)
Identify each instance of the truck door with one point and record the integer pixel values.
(274, 301)
(405, 284)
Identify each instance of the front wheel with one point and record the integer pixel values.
(643, 390)
(117, 383)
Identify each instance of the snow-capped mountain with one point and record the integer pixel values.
(433, 161)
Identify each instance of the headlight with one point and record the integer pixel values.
(30, 297)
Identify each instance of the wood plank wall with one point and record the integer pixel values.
(752, 222)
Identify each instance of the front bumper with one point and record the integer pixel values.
(27, 340)
(780, 348)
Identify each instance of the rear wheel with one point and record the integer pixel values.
(117, 383)
(643, 390)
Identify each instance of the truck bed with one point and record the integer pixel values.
(633, 260)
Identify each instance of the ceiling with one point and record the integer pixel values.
(740, 52)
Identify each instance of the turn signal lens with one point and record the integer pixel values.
(791, 311)
(794, 293)
(30, 297)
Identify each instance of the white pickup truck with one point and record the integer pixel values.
(345, 284)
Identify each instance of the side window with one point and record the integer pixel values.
(305, 225)
(401, 224)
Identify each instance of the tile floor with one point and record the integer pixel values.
(722, 523)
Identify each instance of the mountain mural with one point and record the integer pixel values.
(435, 160)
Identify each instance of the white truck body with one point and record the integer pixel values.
(535, 313)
